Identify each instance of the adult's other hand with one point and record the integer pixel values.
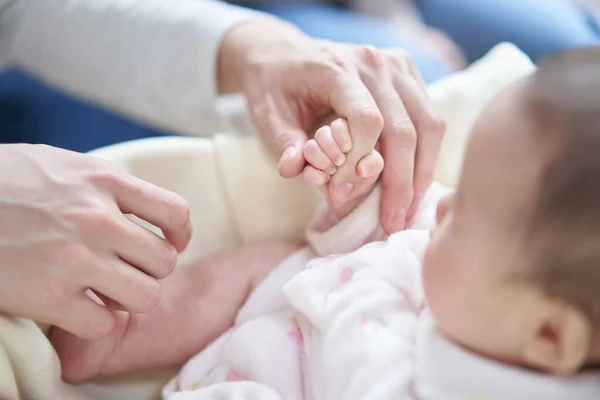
(63, 232)
(291, 81)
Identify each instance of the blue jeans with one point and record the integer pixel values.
(31, 112)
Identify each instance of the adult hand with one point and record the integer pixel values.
(63, 232)
(291, 81)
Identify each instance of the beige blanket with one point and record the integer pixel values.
(237, 198)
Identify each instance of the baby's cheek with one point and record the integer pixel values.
(428, 269)
(443, 281)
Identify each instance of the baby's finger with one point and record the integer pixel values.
(315, 156)
(324, 138)
(314, 177)
(370, 165)
(341, 134)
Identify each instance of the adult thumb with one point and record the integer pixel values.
(287, 145)
(280, 131)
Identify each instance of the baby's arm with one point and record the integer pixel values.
(200, 302)
(341, 228)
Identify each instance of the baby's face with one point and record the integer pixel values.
(466, 270)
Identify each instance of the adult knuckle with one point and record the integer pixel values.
(371, 118)
(432, 125)
(90, 214)
(144, 294)
(329, 71)
(99, 219)
(337, 64)
(400, 60)
(435, 124)
(104, 174)
(409, 61)
(404, 132)
(333, 77)
(371, 56)
(331, 59)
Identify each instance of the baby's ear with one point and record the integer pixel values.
(561, 339)
(443, 206)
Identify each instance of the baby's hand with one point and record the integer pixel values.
(327, 152)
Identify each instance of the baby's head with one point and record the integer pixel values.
(513, 268)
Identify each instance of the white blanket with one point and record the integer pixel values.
(237, 198)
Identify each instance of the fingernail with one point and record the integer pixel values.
(398, 221)
(346, 145)
(332, 171)
(346, 140)
(363, 170)
(287, 154)
(342, 193)
(342, 135)
(340, 160)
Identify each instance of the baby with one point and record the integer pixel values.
(511, 275)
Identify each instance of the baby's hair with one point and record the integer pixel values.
(564, 100)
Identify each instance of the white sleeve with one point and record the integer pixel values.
(153, 60)
(327, 235)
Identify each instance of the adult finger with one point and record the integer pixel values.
(280, 129)
(104, 301)
(85, 318)
(160, 207)
(125, 285)
(352, 100)
(430, 132)
(145, 250)
(371, 165)
(398, 145)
